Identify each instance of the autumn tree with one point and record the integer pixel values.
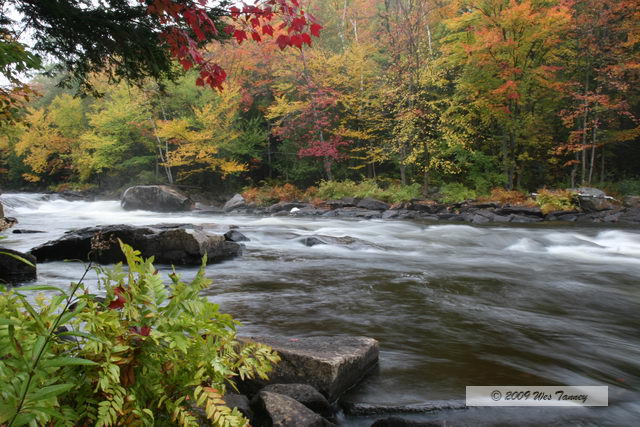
(509, 53)
(606, 35)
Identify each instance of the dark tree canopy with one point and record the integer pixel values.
(119, 37)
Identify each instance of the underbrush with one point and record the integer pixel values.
(392, 193)
(148, 354)
(456, 192)
(556, 200)
(331, 190)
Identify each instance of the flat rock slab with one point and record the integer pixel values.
(277, 410)
(169, 244)
(330, 364)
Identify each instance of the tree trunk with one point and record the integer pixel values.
(593, 148)
(327, 168)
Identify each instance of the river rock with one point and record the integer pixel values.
(359, 409)
(331, 364)
(372, 204)
(7, 222)
(520, 211)
(594, 204)
(157, 198)
(13, 270)
(345, 202)
(309, 211)
(23, 231)
(402, 422)
(428, 206)
(277, 410)
(630, 216)
(236, 202)
(169, 244)
(632, 202)
(286, 206)
(305, 394)
(239, 401)
(589, 192)
(354, 213)
(347, 241)
(235, 236)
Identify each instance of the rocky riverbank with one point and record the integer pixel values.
(591, 210)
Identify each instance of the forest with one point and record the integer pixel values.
(460, 95)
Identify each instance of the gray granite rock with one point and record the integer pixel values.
(157, 198)
(305, 394)
(179, 244)
(277, 410)
(331, 364)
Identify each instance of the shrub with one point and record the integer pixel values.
(510, 197)
(268, 195)
(556, 200)
(456, 193)
(627, 187)
(149, 355)
(394, 193)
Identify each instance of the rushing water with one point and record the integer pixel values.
(452, 305)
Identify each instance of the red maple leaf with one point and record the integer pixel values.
(118, 303)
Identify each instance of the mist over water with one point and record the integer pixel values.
(452, 305)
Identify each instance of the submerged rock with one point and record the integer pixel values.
(235, 236)
(22, 231)
(367, 409)
(169, 244)
(13, 270)
(157, 198)
(277, 410)
(331, 364)
(402, 422)
(346, 241)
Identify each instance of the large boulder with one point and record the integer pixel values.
(235, 203)
(593, 199)
(331, 364)
(157, 198)
(169, 244)
(14, 270)
(277, 410)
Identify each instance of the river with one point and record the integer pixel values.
(452, 305)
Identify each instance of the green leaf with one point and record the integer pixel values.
(50, 391)
(67, 361)
(19, 258)
(4, 321)
(33, 313)
(42, 288)
(22, 419)
(41, 342)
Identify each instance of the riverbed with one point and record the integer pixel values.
(452, 305)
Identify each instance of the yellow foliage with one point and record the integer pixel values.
(198, 144)
(44, 147)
